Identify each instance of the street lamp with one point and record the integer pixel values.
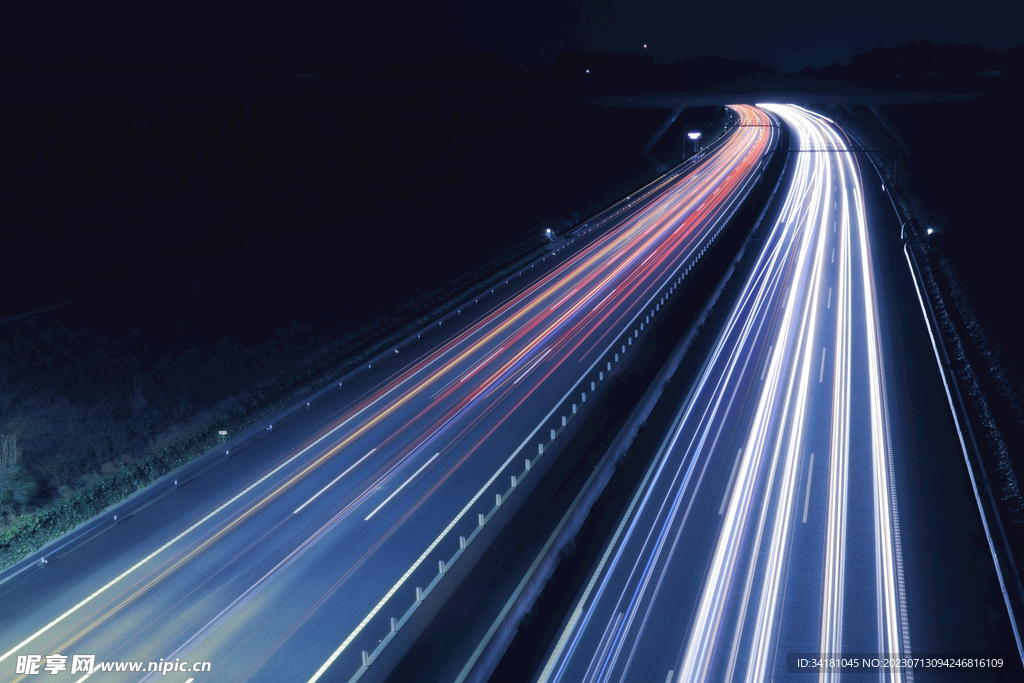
(695, 136)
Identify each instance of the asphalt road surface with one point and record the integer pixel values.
(288, 561)
(810, 497)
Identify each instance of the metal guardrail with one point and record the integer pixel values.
(168, 483)
(983, 494)
(561, 417)
(552, 427)
(618, 207)
(480, 665)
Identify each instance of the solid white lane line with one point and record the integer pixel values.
(335, 481)
(963, 448)
(348, 641)
(767, 362)
(640, 494)
(821, 374)
(732, 476)
(395, 493)
(807, 496)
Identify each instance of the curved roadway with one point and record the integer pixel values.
(287, 562)
(767, 526)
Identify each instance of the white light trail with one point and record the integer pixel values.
(768, 406)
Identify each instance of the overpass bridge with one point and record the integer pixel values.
(804, 92)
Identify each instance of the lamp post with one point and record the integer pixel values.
(695, 136)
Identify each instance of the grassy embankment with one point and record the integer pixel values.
(955, 182)
(101, 397)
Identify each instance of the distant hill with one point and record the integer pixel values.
(922, 60)
(636, 68)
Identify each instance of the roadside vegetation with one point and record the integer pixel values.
(972, 277)
(103, 396)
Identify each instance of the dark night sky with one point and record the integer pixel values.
(204, 35)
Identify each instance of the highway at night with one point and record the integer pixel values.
(289, 561)
(780, 514)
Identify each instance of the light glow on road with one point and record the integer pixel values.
(747, 557)
(462, 398)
